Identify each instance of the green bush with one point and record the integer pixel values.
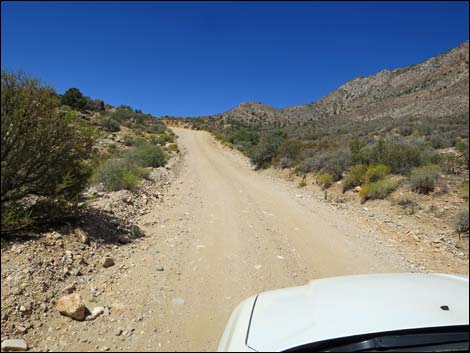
(325, 180)
(355, 177)
(118, 174)
(461, 223)
(146, 155)
(334, 162)
(401, 154)
(464, 190)
(157, 128)
(74, 99)
(376, 172)
(157, 140)
(130, 140)
(423, 179)
(173, 147)
(110, 124)
(267, 149)
(379, 189)
(44, 151)
(462, 147)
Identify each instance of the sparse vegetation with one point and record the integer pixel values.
(423, 179)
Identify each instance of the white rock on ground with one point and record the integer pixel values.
(14, 345)
(97, 311)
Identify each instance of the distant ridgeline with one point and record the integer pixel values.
(423, 107)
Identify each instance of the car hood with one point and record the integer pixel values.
(352, 305)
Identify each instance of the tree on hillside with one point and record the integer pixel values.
(44, 151)
(74, 99)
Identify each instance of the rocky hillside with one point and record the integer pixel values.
(436, 87)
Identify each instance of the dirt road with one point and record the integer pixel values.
(231, 233)
(224, 232)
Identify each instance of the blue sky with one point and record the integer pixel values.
(198, 58)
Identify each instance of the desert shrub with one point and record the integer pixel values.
(334, 162)
(285, 162)
(157, 128)
(401, 154)
(355, 177)
(157, 140)
(407, 202)
(376, 172)
(290, 149)
(130, 140)
(462, 147)
(74, 99)
(118, 174)
(449, 163)
(44, 151)
(123, 113)
(356, 147)
(325, 180)
(110, 124)
(461, 222)
(146, 155)
(307, 165)
(144, 172)
(464, 190)
(172, 147)
(303, 182)
(267, 149)
(379, 189)
(423, 179)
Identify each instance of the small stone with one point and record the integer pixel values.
(70, 289)
(178, 301)
(14, 345)
(160, 269)
(118, 332)
(82, 236)
(97, 311)
(108, 262)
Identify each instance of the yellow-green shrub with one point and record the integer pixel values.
(376, 172)
(355, 177)
(325, 180)
(379, 189)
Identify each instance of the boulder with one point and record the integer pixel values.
(72, 306)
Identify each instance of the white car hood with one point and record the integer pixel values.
(346, 306)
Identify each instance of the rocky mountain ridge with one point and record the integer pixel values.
(439, 86)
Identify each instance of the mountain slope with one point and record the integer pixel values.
(436, 87)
